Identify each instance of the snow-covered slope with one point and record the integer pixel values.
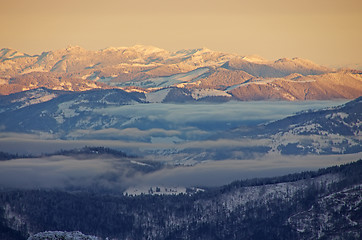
(8, 53)
(147, 68)
(279, 68)
(75, 114)
(27, 98)
(320, 221)
(174, 80)
(336, 130)
(83, 110)
(157, 96)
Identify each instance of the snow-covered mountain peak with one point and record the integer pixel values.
(203, 50)
(191, 52)
(301, 62)
(282, 60)
(75, 68)
(10, 53)
(69, 50)
(74, 48)
(304, 61)
(255, 59)
(146, 50)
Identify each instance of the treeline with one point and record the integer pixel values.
(8, 156)
(352, 172)
(85, 150)
(93, 151)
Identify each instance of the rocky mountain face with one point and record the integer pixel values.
(309, 205)
(148, 69)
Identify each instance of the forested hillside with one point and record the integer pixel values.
(325, 204)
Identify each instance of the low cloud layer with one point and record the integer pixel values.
(216, 173)
(51, 172)
(207, 116)
(111, 174)
(187, 127)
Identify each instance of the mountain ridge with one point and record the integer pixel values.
(77, 69)
(72, 115)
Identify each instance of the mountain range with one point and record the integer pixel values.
(110, 114)
(139, 142)
(334, 130)
(201, 72)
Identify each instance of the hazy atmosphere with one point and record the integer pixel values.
(326, 32)
(160, 126)
(163, 133)
(188, 119)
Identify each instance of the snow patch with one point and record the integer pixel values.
(340, 115)
(259, 195)
(3, 81)
(140, 163)
(35, 69)
(162, 82)
(157, 96)
(34, 97)
(64, 111)
(255, 59)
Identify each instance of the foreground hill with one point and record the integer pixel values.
(310, 205)
(146, 68)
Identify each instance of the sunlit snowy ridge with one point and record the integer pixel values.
(204, 73)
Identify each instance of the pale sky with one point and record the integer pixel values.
(328, 32)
